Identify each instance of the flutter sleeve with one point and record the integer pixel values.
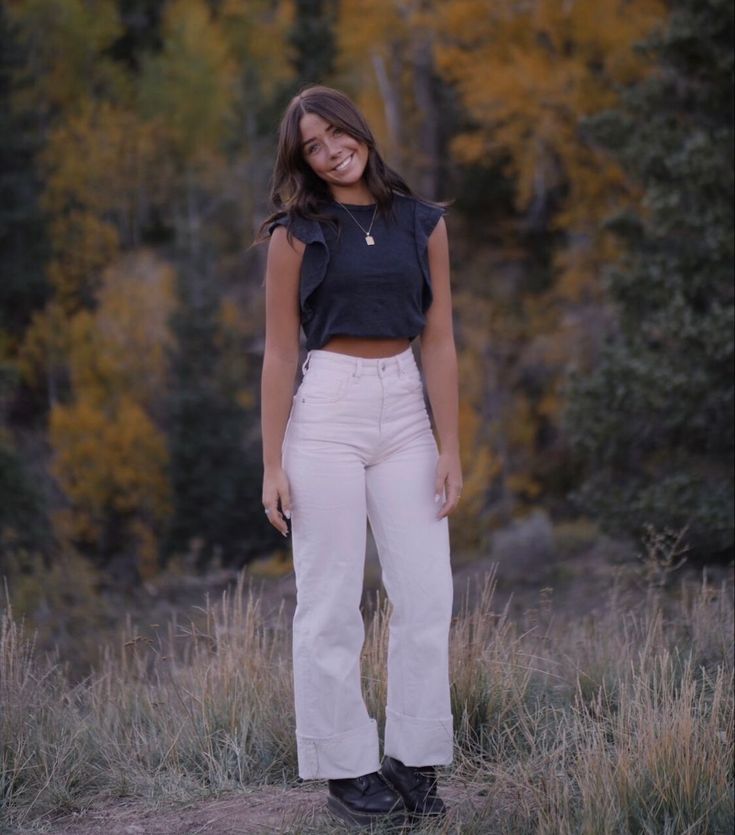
(426, 217)
(316, 257)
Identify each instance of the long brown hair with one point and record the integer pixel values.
(296, 189)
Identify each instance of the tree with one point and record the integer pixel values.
(22, 284)
(544, 64)
(387, 56)
(189, 85)
(138, 136)
(209, 471)
(313, 40)
(66, 43)
(110, 454)
(23, 520)
(653, 421)
(525, 73)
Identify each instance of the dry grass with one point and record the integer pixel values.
(621, 723)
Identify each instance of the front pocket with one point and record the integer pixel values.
(323, 388)
(410, 382)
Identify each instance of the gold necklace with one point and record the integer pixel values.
(369, 239)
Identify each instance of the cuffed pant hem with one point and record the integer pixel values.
(417, 742)
(349, 754)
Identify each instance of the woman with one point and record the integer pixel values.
(363, 267)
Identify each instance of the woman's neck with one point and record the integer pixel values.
(357, 194)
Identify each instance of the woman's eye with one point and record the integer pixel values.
(312, 149)
(337, 131)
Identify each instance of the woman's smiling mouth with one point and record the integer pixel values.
(345, 162)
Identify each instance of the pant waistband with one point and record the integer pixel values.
(360, 365)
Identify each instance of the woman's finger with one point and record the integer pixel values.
(286, 502)
(439, 483)
(438, 489)
(274, 516)
(454, 491)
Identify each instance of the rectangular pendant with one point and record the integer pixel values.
(369, 240)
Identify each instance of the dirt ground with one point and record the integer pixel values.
(258, 811)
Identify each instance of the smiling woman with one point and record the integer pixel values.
(338, 158)
(362, 266)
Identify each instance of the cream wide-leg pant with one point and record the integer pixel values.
(359, 445)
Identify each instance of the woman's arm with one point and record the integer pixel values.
(439, 361)
(280, 362)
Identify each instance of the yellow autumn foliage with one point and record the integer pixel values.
(111, 466)
(382, 48)
(83, 244)
(103, 171)
(67, 59)
(105, 158)
(120, 348)
(110, 457)
(257, 34)
(528, 73)
(189, 88)
(42, 354)
(368, 35)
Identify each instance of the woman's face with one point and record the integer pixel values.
(335, 156)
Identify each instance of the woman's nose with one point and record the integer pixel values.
(333, 147)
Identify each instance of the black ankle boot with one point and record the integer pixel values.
(365, 800)
(417, 787)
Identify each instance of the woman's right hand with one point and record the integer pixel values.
(277, 499)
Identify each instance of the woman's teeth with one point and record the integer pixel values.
(344, 164)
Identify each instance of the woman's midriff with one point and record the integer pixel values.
(355, 346)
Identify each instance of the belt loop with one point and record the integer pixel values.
(358, 367)
(399, 365)
(305, 366)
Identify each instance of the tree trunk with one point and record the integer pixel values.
(428, 123)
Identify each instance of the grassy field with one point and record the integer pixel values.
(618, 722)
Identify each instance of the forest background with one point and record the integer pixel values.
(586, 148)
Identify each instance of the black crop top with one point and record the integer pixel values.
(348, 288)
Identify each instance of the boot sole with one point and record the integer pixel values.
(396, 817)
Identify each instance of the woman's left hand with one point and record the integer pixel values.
(448, 482)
